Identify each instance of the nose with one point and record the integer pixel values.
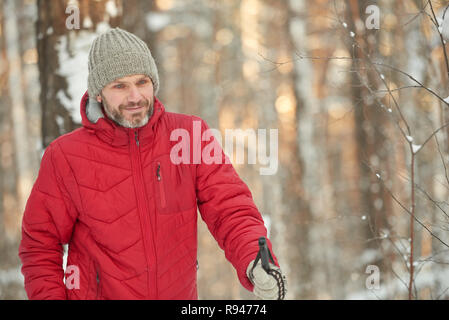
(134, 94)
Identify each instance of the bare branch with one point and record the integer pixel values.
(406, 209)
(435, 22)
(413, 79)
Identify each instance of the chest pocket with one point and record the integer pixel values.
(174, 186)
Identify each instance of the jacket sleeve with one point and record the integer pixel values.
(47, 224)
(227, 207)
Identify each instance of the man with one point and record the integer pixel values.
(112, 192)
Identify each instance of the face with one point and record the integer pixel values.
(129, 100)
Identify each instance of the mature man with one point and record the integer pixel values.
(112, 191)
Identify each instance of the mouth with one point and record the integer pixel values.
(134, 109)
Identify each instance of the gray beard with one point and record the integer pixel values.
(121, 121)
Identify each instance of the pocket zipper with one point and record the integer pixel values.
(161, 184)
(98, 285)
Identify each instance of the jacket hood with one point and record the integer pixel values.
(95, 120)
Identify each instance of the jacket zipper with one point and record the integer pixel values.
(147, 220)
(161, 185)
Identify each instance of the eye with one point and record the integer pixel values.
(142, 82)
(119, 86)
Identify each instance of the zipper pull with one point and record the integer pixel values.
(158, 174)
(136, 137)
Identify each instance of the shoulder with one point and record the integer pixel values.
(70, 140)
(71, 136)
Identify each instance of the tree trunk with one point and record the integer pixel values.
(57, 44)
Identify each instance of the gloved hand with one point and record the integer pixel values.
(271, 286)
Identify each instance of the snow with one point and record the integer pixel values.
(378, 203)
(368, 256)
(382, 77)
(102, 27)
(378, 176)
(111, 9)
(446, 99)
(345, 24)
(267, 223)
(427, 275)
(156, 21)
(73, 66)
(416, 147)
(11, 276)
(60, 122)
(74, 69)
(409, 138)
(352, 34)
(87, 22)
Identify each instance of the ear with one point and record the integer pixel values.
(99, 98)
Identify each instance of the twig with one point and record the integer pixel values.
(430, 137)
(405, 209)
(442, 160)
(413, 79)
(435, 22)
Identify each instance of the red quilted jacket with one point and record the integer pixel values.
(129, 214)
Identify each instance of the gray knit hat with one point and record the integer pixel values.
(117, 54)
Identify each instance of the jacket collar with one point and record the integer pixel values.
(95, 120)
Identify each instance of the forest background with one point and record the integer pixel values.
(357, 92)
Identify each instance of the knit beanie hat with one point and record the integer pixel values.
(117, 54)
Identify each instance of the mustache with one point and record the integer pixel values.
(141, 103)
